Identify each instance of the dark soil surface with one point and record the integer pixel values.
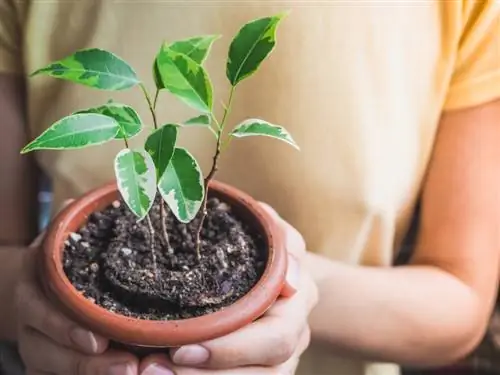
(111, 261)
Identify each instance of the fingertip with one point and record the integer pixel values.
(190, 355)
(115, 362)
(87, 341)
(156, 364)
(292, 278)
(288, 291)
(37, 242)
(270, 210)
(101, 344)
(66, 203)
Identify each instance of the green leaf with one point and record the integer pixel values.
(157, 76)
(185, 79)
(254, 127)
(95, 68)
(253, 43)
(76, 131)
(160, 145)
(128, 119)
(136, 179)
(197, 48)
(202, 120)
(182, 185)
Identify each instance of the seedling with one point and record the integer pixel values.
(160, 167)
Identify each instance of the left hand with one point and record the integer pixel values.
(270, 345)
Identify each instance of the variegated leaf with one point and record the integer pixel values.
(197, 48)
(160, 145)
(185, 79)
(128, 119)
(182, 185)
(253, 127)
(253, 43)
(95, 68)
(202, 120)
(76, 131)
(136, 179)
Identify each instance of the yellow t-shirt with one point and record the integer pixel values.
(360, 85)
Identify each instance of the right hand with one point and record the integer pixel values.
(50, 343)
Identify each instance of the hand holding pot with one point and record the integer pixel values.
(50, 343)
(271, 345)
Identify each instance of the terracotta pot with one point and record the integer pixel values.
(144, 333)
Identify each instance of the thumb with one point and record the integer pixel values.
(37, 242)
(292, 277)
(293, 266)
(65, 204)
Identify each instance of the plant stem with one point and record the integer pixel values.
(163, 217)
(163, 212)
(150, 104)
(152, 236)
(156, 98)
(213, 170)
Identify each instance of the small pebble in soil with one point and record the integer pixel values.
(126, 251)
(110, 261)
(94, 267)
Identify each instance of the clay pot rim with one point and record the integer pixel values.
(152, 333)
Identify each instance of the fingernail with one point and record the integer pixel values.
(155, 369)
(293, 272)
(125, 369)
(190, 355)
(84, 339)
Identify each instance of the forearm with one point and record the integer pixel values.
(414, 315)
(11, 259)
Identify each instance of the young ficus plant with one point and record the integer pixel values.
(160, 166)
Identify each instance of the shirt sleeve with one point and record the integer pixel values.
(476, 74)
(10, 38)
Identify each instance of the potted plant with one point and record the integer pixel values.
(163, 256)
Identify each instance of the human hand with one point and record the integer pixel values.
(270, 345)
(50, 343)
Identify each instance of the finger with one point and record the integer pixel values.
(160, 365)
(290, 366)
(36, 312)
(65, 204)
(292, 278)
(40, 354)
(269, 341)
(294, 241)
(296, 248)
(37, 242)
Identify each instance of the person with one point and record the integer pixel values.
(393, 104)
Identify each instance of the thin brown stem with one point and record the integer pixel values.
(155, 100)
(213, 170)
(151, 105)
